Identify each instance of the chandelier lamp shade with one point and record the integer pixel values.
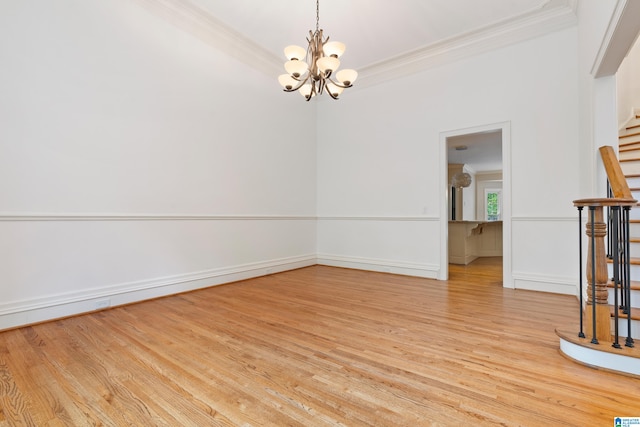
(314, 70)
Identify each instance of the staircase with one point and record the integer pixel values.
(601, 352)
(629, 157)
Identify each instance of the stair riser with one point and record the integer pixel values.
(631, 167)
(634, 229)
(622, 330)
(635, 297)
(634, 270)
(630, 154)
(633, 182)
(635, 212)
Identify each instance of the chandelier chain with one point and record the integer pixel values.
(317, 15)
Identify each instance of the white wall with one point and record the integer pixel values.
(595, 95)
(628, 85)
(379, 172)
(137, 161)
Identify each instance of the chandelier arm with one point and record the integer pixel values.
(331, 95)
(302, 82)
(338, 83)
(321, 84)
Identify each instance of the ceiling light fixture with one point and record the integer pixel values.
(461, 180)
(310, 71)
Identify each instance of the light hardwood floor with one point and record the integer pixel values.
(319, 346)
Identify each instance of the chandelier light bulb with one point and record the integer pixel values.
(287, 82)
(347, 76)
(306, 90)
(296, 68)
(295, 52)
(334, 49)
(334, 90)
(328, 64)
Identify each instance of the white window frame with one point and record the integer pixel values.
(488, 191)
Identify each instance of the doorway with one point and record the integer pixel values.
(480, 200)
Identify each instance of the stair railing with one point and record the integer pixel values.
(596, 312)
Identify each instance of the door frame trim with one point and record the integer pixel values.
(505, 127)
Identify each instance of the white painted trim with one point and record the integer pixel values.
(622, 31)
(514, 30)
(36, 310)
(147, 217)
(377, 218)
(552, 284)
(545, 218)
(200, 24)
(553, 16)
(429, 271)
(444, 206)
(505, 127)
(507, 255)
(601, 359)
(170, 217)
(466, 259)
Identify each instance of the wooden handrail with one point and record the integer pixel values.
(617, 181)
(606, 202)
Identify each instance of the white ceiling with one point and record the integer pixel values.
(373, 30)
(385, 39)
(483, 151)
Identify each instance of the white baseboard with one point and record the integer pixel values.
(556, 285)
(21, 313)
(462, 260)
(28, 312)
(384, 266)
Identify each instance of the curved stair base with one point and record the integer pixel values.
(625, 360)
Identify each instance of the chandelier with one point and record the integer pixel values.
(461, 180)
(310, 70)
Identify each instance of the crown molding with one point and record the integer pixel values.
(552, 16)
(514, 30)
(193, 20)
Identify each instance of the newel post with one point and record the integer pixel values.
(597, 307)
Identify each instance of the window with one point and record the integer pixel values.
(493, 204)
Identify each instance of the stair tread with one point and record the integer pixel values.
(629, 146)
(632, 261)
(635, 285)
(635, 313)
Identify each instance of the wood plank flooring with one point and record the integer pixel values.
(319, 346)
